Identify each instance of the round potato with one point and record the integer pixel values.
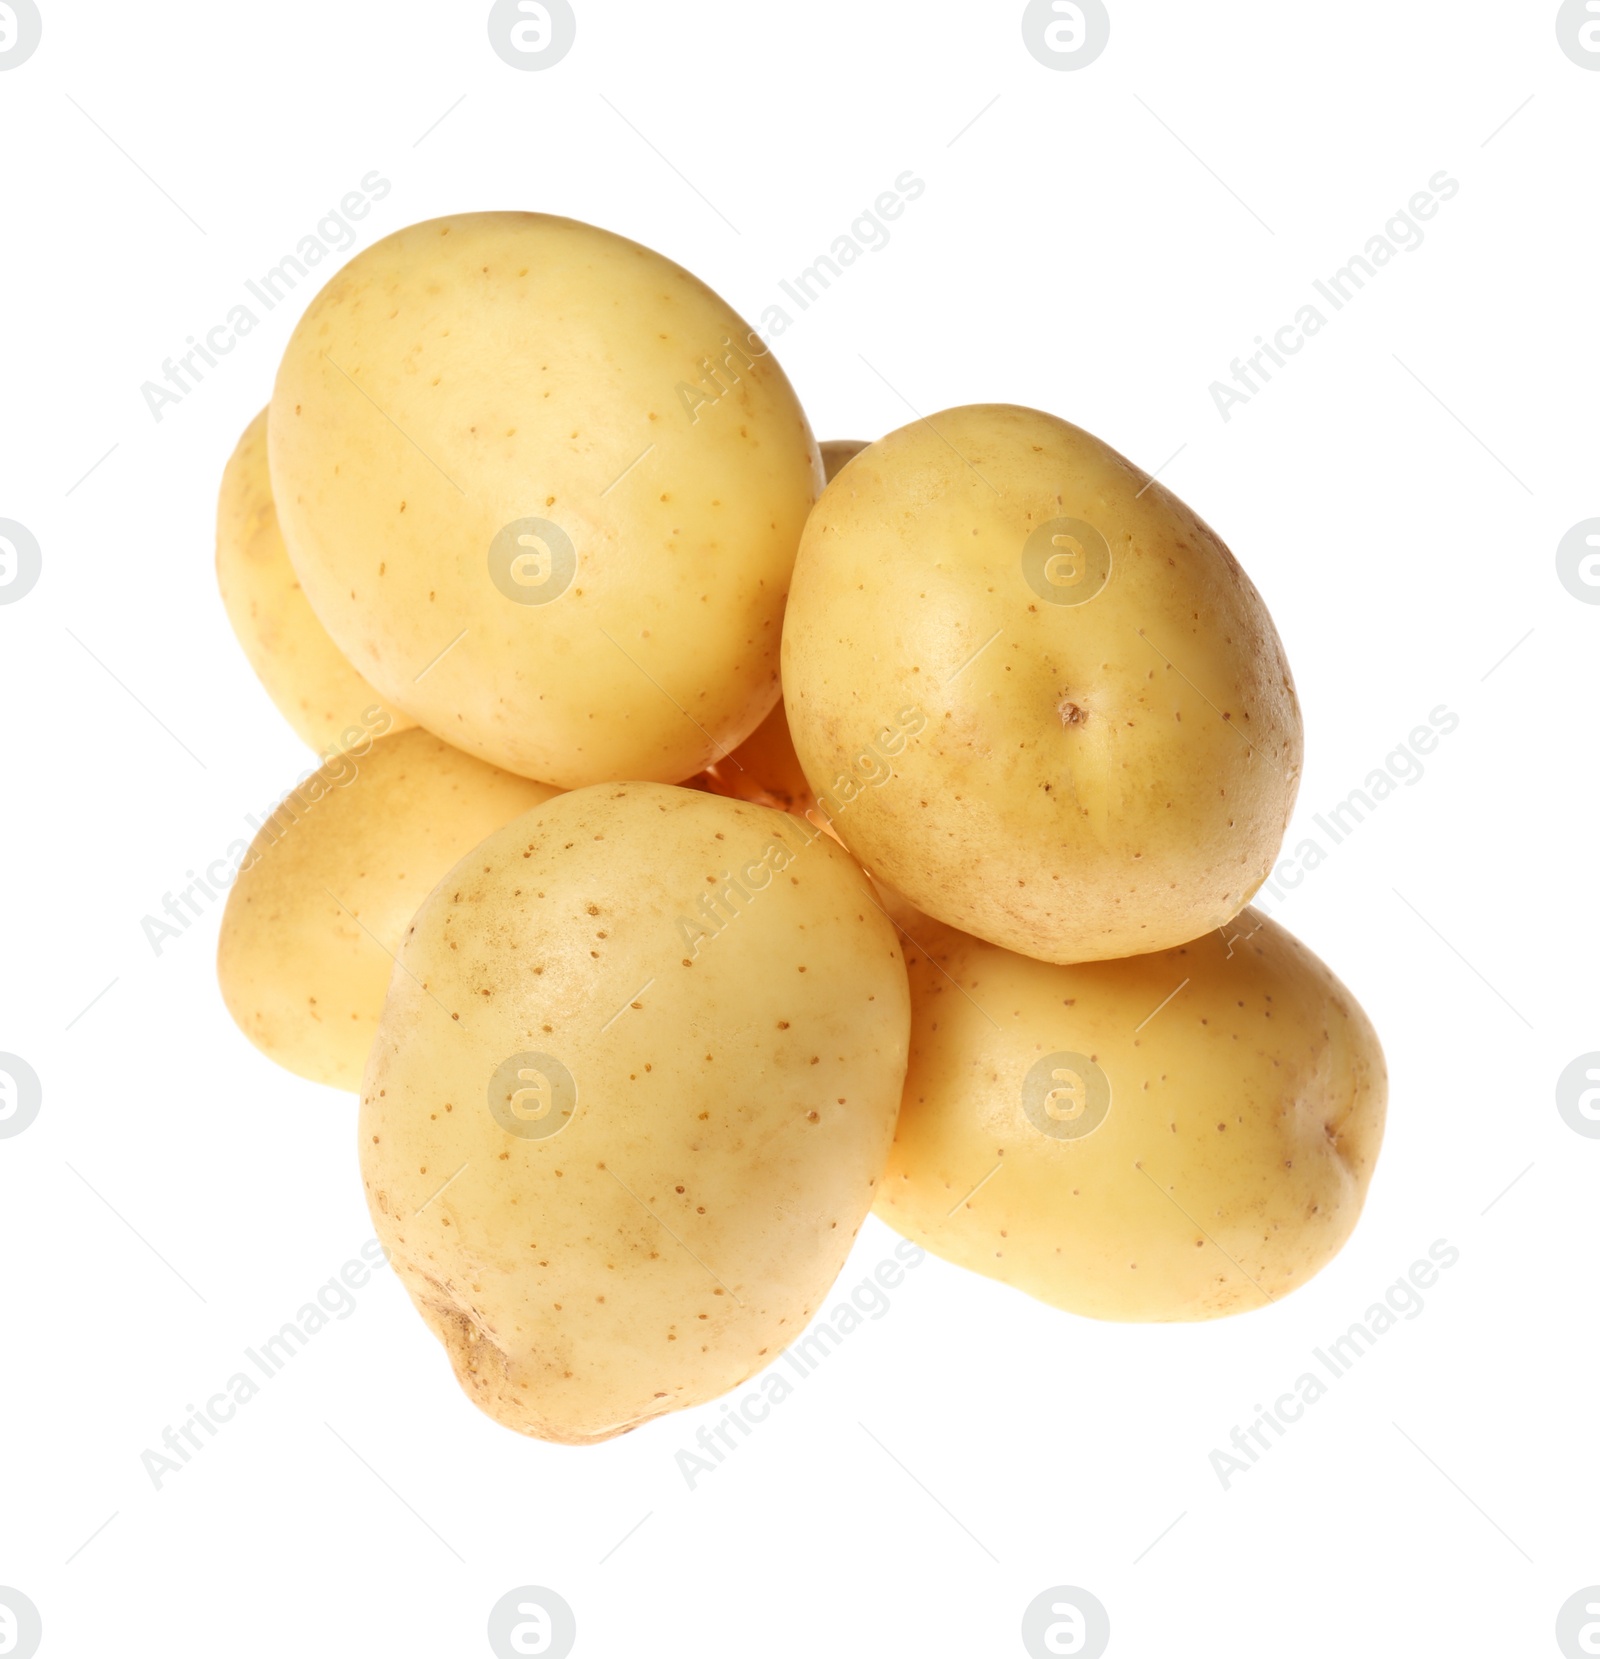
(1175, 1136)
(544, 488)
(1035, 692)
(630, 1099)
(324, 895)
(313, 684)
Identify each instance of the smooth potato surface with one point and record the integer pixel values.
(305, 674)
(1104, 740)
(621, 1123)
(544, 488)
(1174, 1136)
(329, 887)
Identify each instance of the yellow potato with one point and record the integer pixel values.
(836, 452)
(764, 769)
(544, 488)
(1035, 692)
(910, 923)
(630, 1098)
(1175, 1136)
(325, 894)
(304, 672)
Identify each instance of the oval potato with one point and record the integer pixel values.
(329, 886)
(661, 1036)
(1089, 720)
(544, 488)
(305, 674)
(1174, 1136)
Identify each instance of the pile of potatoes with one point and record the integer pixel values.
(720, 837)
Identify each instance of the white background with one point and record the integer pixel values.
(1397, 493)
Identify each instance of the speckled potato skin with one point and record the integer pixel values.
(305, 674)
(330, 884)
(1085, 781)
(735, 1096)
(527, 366)
(1244, 1122)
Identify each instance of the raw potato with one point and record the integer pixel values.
(764, 769)
(1175, 1136)
(304, 672)
(836, 452)
(619, 1145)
(1094, 743)
(325, 894)
(544, 488)
(910, 923)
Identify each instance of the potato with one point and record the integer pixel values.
(910, 923)
(630, 1099)
(764, 769)
(836, 452)
(1174, 1136)
(1035, 692)
(325, 894)
(317, 691)
(544, 488)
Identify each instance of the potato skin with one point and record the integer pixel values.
(534, 368)
(1090, 779)
(764, 769)
(837, 453)
(1232, 1160)
(305, 674)
(735, 1093)
(330, 884)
